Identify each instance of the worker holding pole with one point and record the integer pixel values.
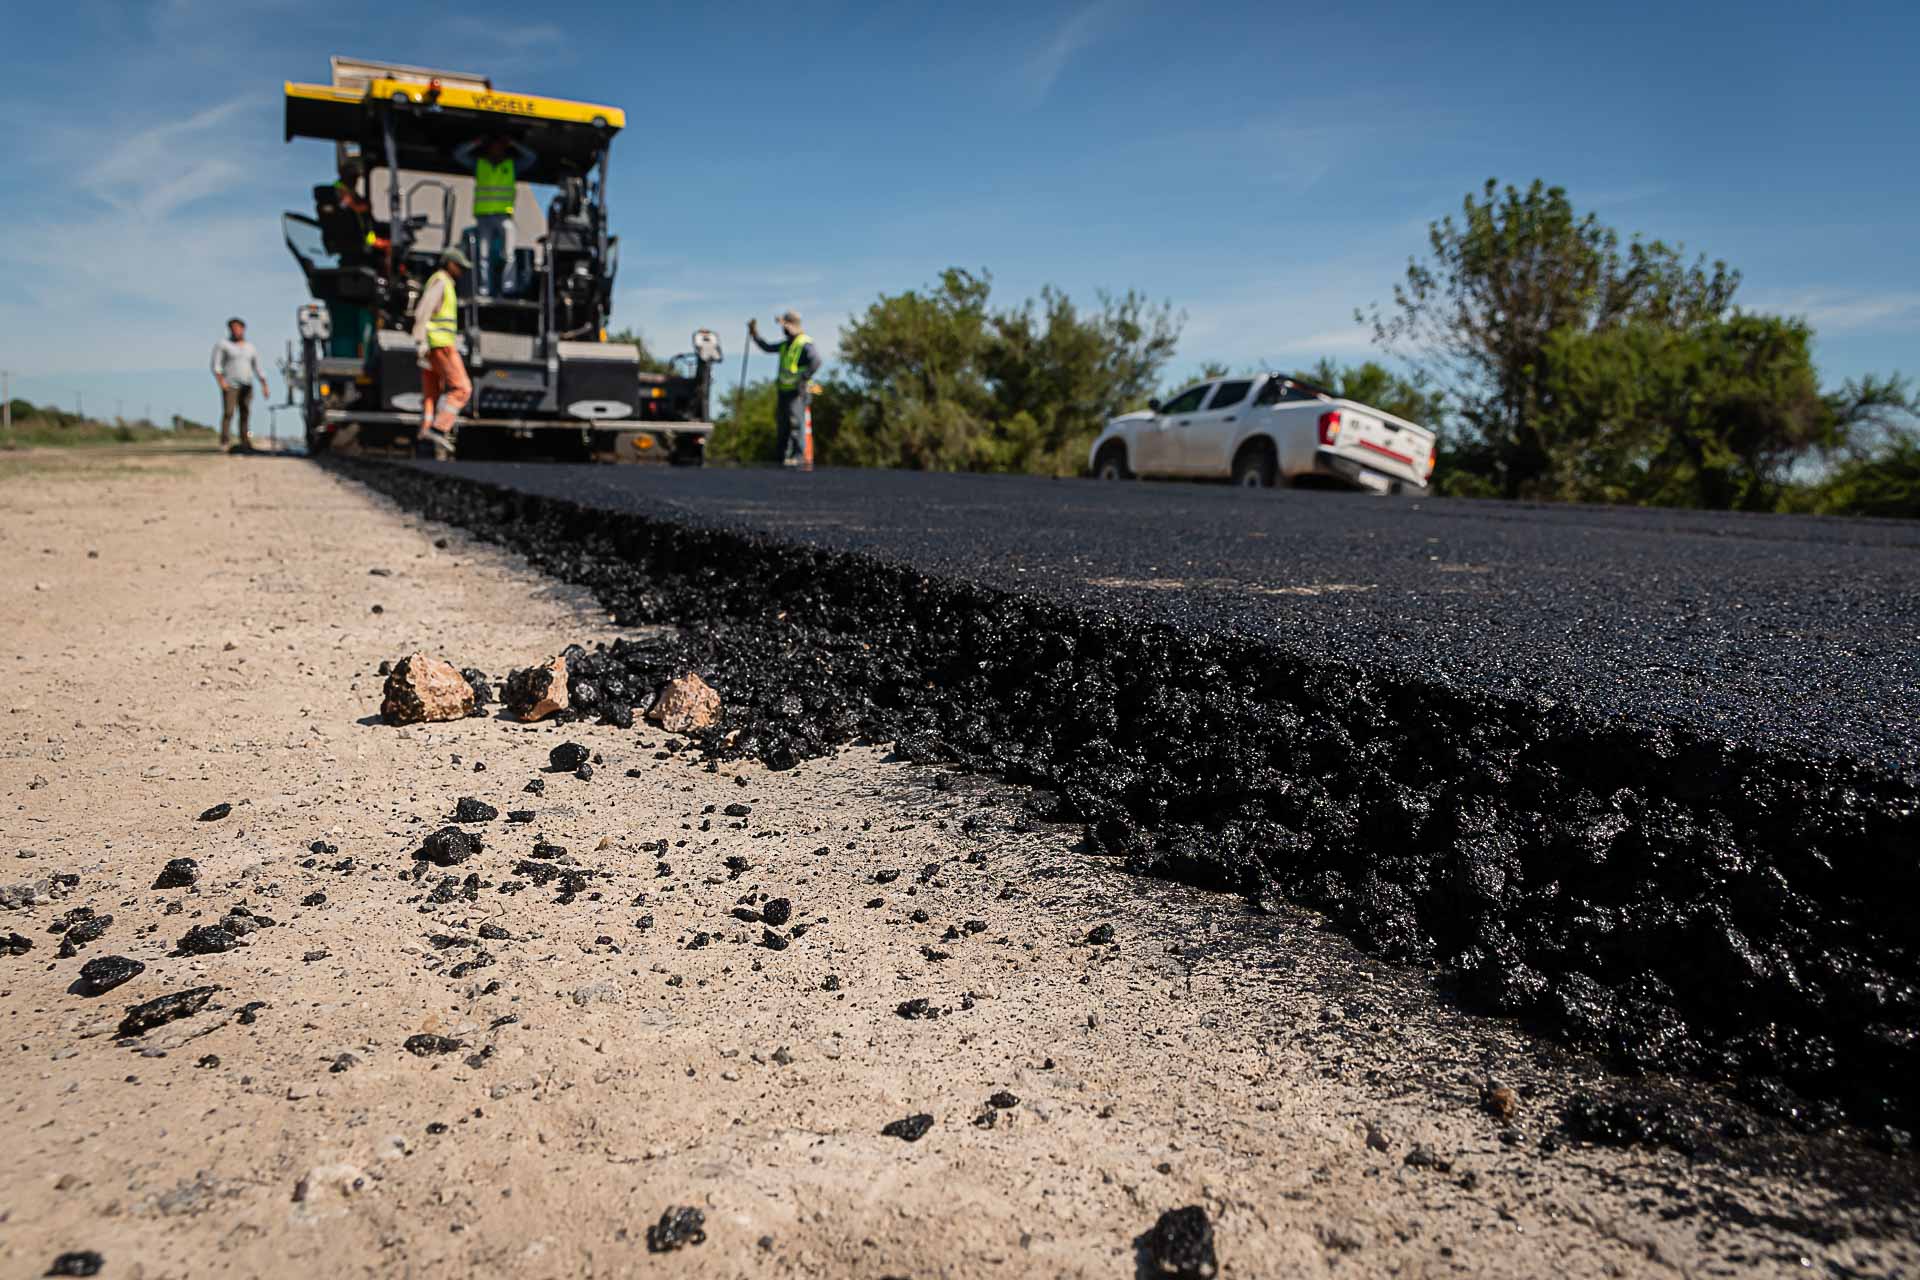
(793, 385)
(444, 386)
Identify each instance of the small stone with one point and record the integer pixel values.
(216, 813)
(773, 941)
(535, 693)
(342, 1062)
(16, 944)
(1500, 1102)
(605, 991)
(685, 705)
(777, 912)
(328, 1184)
(1003, 1100)
(422, 689)
(80, 1262)
(908, 1129)
(1100, 934)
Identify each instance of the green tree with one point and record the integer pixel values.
(1372, 383)
(1515, 269)
(1717, 415)
(1711, 416)
(1882, 479)
(936, 379)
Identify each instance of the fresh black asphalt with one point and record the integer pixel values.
(1800, 633)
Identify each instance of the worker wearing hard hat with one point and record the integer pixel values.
(444, 386)
(793, 384)
(496, 165)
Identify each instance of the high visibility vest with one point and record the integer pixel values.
(789, 379)
(493, 186)
(443, 327)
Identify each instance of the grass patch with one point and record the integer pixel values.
(66, 432)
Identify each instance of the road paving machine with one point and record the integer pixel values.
(546, 381)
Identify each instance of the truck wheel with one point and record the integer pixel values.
(1112, 464)
(1254, 467)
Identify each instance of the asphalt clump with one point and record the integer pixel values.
(1179, 1246)
(677, 1228)
(157, 1012)
(103, 973)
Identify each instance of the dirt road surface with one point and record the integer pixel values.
(183, 632)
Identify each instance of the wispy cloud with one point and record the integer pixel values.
(143, 171)
(502, 35)
(1082, 29)
(1835, 311)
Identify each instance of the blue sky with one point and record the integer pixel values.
(1265, 168)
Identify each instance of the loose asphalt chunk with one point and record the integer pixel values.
(179, 873)
(157, 1012)
(909, 1128)
(449, 846)
(427, 1046)
(103, 973)
(208, 939)
(1179, 1246)
(568, 756)
(678, 1227)
(79, 1262)
(216, 813)
(471, 809)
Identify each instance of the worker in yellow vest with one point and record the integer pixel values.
(496, 162)
(793, 386)
(444, 385)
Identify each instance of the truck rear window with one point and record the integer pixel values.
(1230, 393)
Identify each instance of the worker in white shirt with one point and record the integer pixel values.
(236, 365)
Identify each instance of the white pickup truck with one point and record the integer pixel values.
(1264, 429)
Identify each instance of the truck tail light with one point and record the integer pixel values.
(1431, 459)
(1330, 427)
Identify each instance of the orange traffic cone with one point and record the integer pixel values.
(806, 441)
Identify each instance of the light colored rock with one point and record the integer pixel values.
(540, 691)
(606, 991)
(423, 688)
(685, 705)
(326, 1188)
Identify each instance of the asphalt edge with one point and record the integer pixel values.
(1754, 900)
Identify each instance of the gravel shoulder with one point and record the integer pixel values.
(1326, 1110)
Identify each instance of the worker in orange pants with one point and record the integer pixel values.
(444, 385)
